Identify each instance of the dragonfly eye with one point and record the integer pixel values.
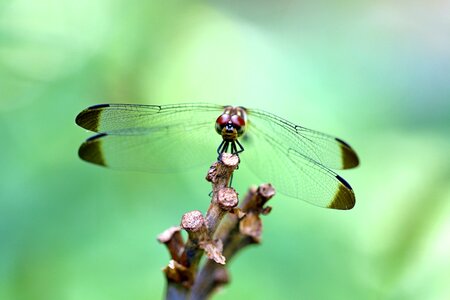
(238, 124)
(222, 122)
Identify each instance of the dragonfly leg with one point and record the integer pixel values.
(233, 148)
(219, 149)
(223, 147)
(227, 145)
(241, 148)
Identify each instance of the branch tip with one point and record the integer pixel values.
(266, 191)
(227, 198)
(230, 160)
(173, 240)
(168, 234)
(257, 197)
(220, 172)
(192, 221)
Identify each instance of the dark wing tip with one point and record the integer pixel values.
(98, 106)
(90, 117)
(349, 157)
(344, 197)
(91, 150)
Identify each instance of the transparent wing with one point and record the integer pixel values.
(149, 137)
(324, 149)
(139, 118)
(278, 154)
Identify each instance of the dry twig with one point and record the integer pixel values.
(223, 232)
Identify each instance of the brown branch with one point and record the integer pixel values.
(236, 232)
(224, 231)
(194, 223)
(176, 275)
(173, 240)
(224, 201)
(223, 198)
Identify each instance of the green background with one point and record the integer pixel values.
(375, 73)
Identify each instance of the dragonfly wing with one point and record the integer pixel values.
(324, 149)
(150, 138)
(294, 174)
(136, 118)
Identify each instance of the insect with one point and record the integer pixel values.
(166, 138)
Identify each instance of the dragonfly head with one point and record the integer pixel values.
(231, 124)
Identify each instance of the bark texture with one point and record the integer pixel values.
(225, 230)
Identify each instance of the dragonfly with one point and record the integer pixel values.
(168, 138)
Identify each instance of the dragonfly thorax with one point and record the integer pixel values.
(231, 124)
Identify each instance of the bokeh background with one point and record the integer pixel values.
(375, 73)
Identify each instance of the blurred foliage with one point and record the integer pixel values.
(374, 73)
